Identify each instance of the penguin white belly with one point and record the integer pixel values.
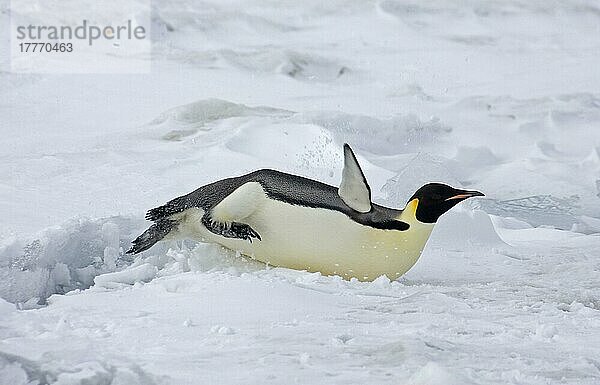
(317, 239)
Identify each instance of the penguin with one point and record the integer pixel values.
(290, 221)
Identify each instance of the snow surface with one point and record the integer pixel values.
(498, 96)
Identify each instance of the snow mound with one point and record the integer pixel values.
(433, 373)
(536, 210)
(470, 163)
(385, 136)
(296, 65)
(188, 119)
(414, 173)
(307, 149)
(459, 229)
(72, 367)
(64, 258)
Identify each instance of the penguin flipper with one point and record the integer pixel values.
(227, 217)
(354, 189)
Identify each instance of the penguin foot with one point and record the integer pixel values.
(231, 230)
(244, 231)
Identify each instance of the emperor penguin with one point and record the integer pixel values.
(290, 221)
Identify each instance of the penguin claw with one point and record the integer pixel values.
(251, 233)
(231, 230)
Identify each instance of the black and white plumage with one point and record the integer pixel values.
(291, 221)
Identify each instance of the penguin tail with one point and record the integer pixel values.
(174, 206)
(155, 233)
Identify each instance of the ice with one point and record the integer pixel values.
(64, 258)
(131, 275)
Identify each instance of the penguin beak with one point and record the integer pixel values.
(464, 194)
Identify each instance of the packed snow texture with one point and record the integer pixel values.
(499, 96)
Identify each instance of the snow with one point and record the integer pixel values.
(501, 97)
(141, 273)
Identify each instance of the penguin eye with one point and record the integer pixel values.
(436, 197)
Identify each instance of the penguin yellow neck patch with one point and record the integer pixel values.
(410, 211)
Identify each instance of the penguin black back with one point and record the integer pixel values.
(289, 188)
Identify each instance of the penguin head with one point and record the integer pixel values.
(434, 199)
